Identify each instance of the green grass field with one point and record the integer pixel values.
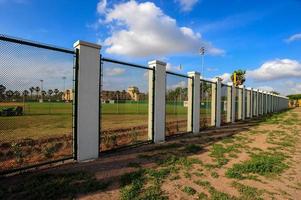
(47, 119)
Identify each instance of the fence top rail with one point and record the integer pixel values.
(124, 63)
(34, 44)
(177, 74)
(207, 81)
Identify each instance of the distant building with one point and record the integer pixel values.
(132, 93)
(68, 95)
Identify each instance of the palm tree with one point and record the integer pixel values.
(17, 94)
(240, 77)
(37, 89)
(25, 93)
(56, 91)
(9, 94)
(43, 93)
(60, 95)
(2, 90)
(31, 89)
(50, 92)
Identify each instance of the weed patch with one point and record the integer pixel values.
(247, 192)
(264, 164)
(189, 190)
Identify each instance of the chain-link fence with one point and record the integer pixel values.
(124, 104)
(248, 105)
(36, 103)
(176, 103)
(225, 104)
(207, 89)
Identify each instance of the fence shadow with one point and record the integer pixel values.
(109, 167)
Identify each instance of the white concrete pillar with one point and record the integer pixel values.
(269, 102)
(88, 100)
(213, 103)
(218, 101)
(157, 93)
(243, 102)
(229, 103)
(193, 102)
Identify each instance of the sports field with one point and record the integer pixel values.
(47, 127)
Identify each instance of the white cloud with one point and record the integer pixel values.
(211, 69)
(276, 69)
(187, 5)
(181, 84)
(101, 6)
(142, 29)
(226, 77)
(170, 67)
(294, 38)
(115, 71)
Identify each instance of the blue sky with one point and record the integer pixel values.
(262, 37)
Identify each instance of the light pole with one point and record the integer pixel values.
(202, 52)
(41, 89)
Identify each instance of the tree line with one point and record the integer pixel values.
(32, 94)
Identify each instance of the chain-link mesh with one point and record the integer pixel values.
(206, 91)
(36, 95)
(176, 104)
(225, 103)
(124, 105)
(238, 105)
(248, 104)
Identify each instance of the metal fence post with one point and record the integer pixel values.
(157, 93)
(88, 100)
(193, 102)
(241, 103)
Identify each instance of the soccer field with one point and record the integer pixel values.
(48, 119)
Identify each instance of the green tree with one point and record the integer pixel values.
(2, 90)
(31, 89)
(240, 77)
(294, 96)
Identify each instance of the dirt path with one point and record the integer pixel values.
(252, 160)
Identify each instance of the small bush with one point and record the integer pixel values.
(189, 190)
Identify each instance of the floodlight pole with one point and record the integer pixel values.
(41, 89)
(202, 52)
